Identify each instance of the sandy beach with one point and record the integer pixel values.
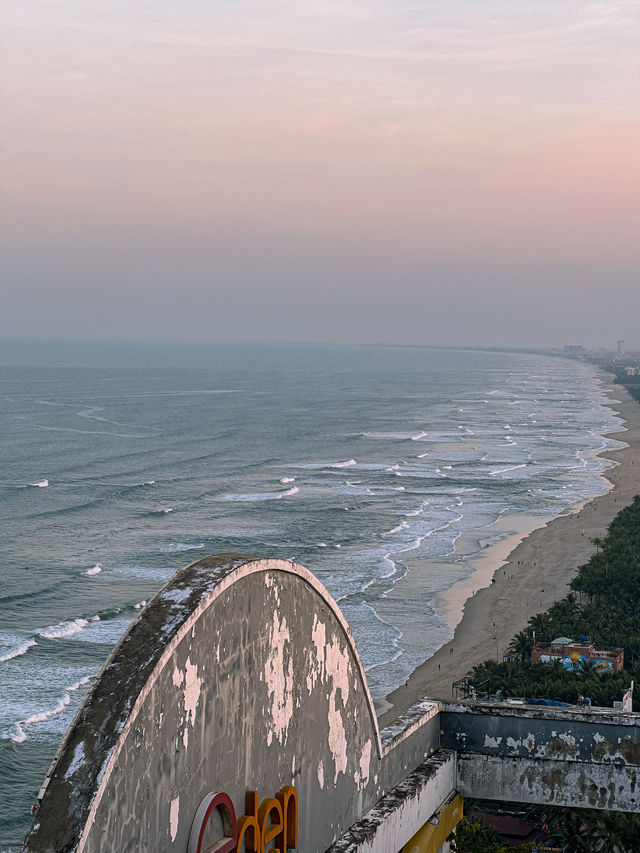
(516, 577)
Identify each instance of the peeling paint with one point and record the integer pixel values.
(174, 813)
(567, 738)
(365, 763)
(279, 679)
(318, 638)
(493, 742)
(192, 687)
(338, 670)
(320, 774)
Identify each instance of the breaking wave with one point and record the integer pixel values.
(17, 652)
(258, 496)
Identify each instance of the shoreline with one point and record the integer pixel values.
(512, 592)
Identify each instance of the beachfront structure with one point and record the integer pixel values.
(234, 715)
(572, 654)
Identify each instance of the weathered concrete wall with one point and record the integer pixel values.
(240, 675)
(395, 818)
(558, 783)
(533, 732)
(587, 759)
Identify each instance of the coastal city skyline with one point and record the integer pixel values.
(449, 174)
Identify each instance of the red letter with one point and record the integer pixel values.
(223, 803)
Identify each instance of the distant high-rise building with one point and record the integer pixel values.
(620, 347)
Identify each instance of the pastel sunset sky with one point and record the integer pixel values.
(439, 172)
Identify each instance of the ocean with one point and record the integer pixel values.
(121, 463)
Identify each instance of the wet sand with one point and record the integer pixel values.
(519, 576)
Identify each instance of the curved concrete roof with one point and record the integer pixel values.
(115, 714)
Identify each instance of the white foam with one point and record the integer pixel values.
(78, 684)
(167, 510)
(64, 629)
(418, 511)
(94, 571)
(398, 436)
(288, 480)
(402, 526)
(140, 604)
(20, 736)
(45, 715)
(317, 465)
(15, 653)
(259, 496)
(41, 484)
(504, 470)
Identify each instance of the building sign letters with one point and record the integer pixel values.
(272, 825)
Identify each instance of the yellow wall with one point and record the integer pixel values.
(430, 838)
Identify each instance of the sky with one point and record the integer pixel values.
(445, 172)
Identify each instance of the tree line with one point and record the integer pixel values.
(604, 605)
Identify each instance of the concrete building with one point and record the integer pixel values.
(235, 715)
(572, 654)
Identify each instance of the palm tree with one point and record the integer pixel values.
(569, 826)
(556, 668)
(614, 832)
(542, 626)
(521, 645)
(565, 611)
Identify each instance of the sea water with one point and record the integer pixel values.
(122, 463)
